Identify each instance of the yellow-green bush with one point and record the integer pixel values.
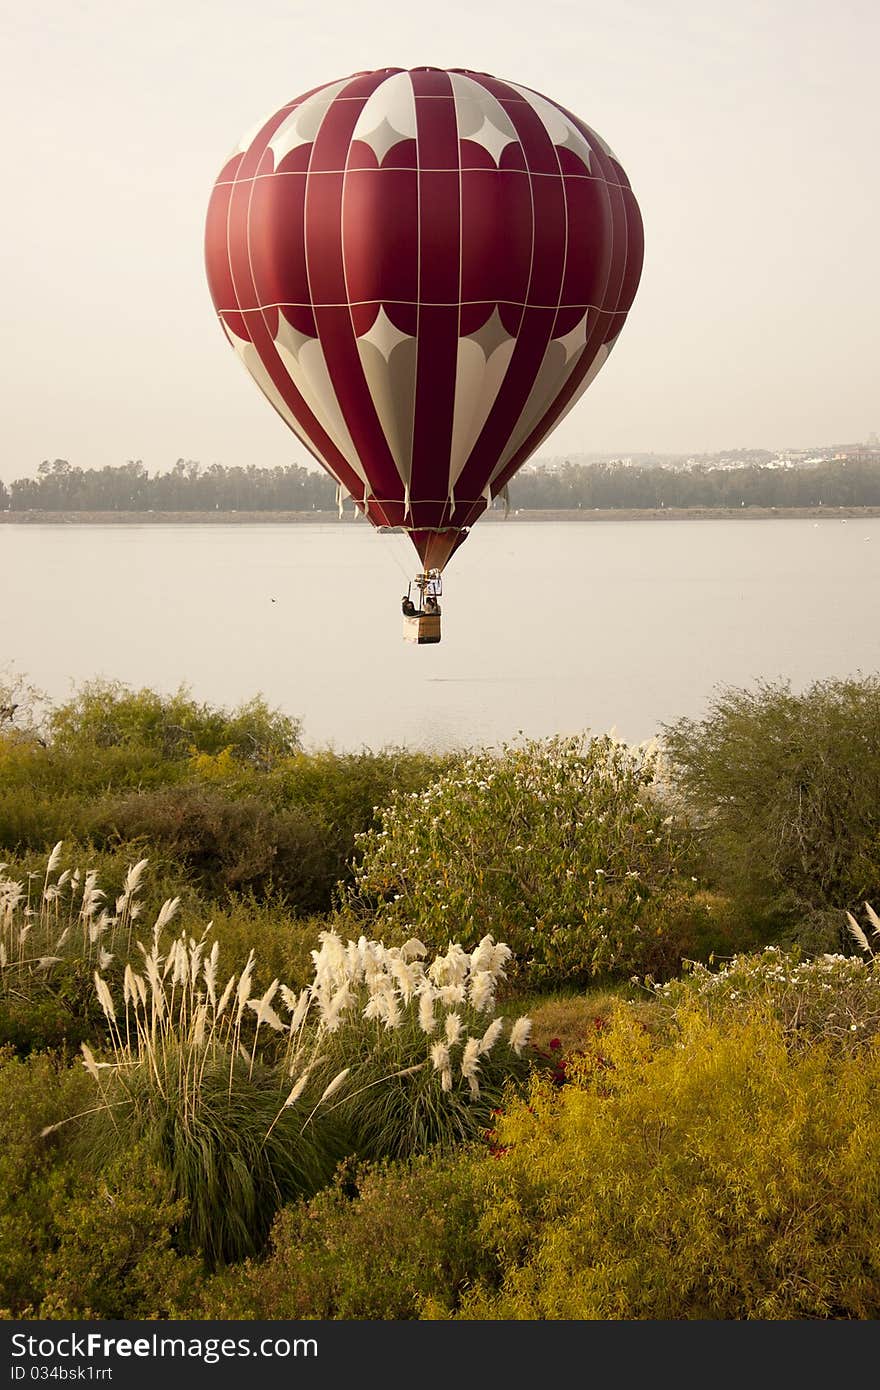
(33, 1095)
(722, 1176)
(109, 714)
(113, 1249)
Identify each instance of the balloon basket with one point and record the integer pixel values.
(422, 624)
(424, 627)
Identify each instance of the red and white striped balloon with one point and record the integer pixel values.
(423, 270)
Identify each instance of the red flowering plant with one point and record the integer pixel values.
(577, 1062)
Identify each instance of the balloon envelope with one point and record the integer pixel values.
(423, 270)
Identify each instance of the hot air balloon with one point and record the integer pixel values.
(423, 270)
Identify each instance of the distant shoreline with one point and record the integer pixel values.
(573, 514)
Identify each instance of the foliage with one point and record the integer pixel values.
(568, 1023)
(322, 1263)
(54, 929)
(62, 486)
(114, 1251)
(785, 789)
(833, 997)
(723, 1176)
(224, 843)
(106, 714)
(78, 1240)
(555, 845)
(33, 1094)
(755, 483)
(187, 486)
(23, 707)
(226, 801)
(344, 792)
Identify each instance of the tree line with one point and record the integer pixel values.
(62, 486)
(187, 487)
(853, 482)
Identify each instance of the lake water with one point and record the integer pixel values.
(547, 628)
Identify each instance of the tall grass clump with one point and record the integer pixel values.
(56, 926)
(428, 1058)
(250, 1100)
(215, 1084)
(557, 846)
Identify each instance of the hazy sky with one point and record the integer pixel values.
(750, 132)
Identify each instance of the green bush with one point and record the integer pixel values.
(114, 1251)
(347, 790)
(224, 844)
(76, 1240)
(323, 1263)
(45, 1019)
(35, 1173)
(227, 799)
(339, 794)
(725, 1176)
(107, 714)
(556, 847)
(784, 788)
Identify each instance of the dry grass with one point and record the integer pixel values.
(572, 1019)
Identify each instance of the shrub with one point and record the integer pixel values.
(34, 1171)
(227, 844)
(784, 787)
(23, 707)
(114, 1249)
(229, 797)
(556, 846)
(833, 997)
(322, 1263)
(726, 1177)
(75, 1240)
(346, 790)
(337, 794)
(106, 714)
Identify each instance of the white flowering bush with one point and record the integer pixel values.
(831, 997)
(556, 846)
